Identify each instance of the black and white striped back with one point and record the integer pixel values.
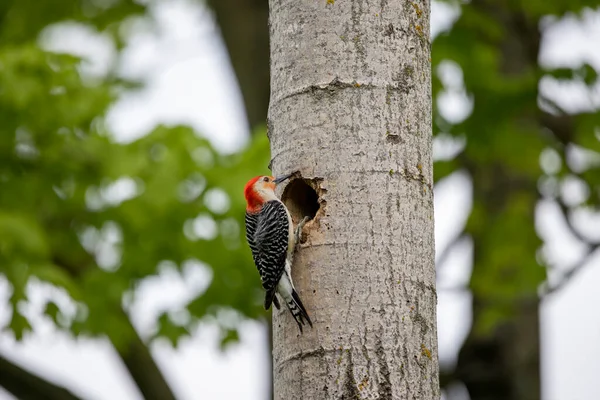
(267, 232)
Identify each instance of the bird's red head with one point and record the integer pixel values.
(261, 189)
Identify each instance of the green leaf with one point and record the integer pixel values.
(229, 337)
(52, 311)
(167, 329)
(19, 326)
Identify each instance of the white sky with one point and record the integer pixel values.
(190, 81)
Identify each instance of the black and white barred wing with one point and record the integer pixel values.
(267, 234)
(251, 221)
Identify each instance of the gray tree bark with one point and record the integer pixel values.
(350, 109)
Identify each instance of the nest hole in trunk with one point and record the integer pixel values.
(301, 199)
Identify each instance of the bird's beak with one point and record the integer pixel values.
(282, 178)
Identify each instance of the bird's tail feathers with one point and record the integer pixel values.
(298, 311)
(271, 298)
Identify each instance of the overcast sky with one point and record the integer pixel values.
(190, 81)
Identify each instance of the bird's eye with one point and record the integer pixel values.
(266, 179)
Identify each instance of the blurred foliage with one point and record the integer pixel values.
(519, 147)
(495, 46)
(21, 21)
(93, 216)
(63, 177)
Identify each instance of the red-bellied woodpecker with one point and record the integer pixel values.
(272, 239)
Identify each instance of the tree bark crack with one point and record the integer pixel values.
(334, 86)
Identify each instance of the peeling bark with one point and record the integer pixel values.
(350, 110)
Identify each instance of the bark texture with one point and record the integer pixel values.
(351, 110)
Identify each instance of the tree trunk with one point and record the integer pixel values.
(351, 110)
(245, 31)
(504, 363)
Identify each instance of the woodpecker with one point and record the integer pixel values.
(272, 240)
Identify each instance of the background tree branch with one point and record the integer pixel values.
(244, 26)
(567, 277)
(26, 385)
(134, 353)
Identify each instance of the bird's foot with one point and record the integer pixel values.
(298, 231)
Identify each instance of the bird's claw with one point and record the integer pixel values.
(299, 228)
